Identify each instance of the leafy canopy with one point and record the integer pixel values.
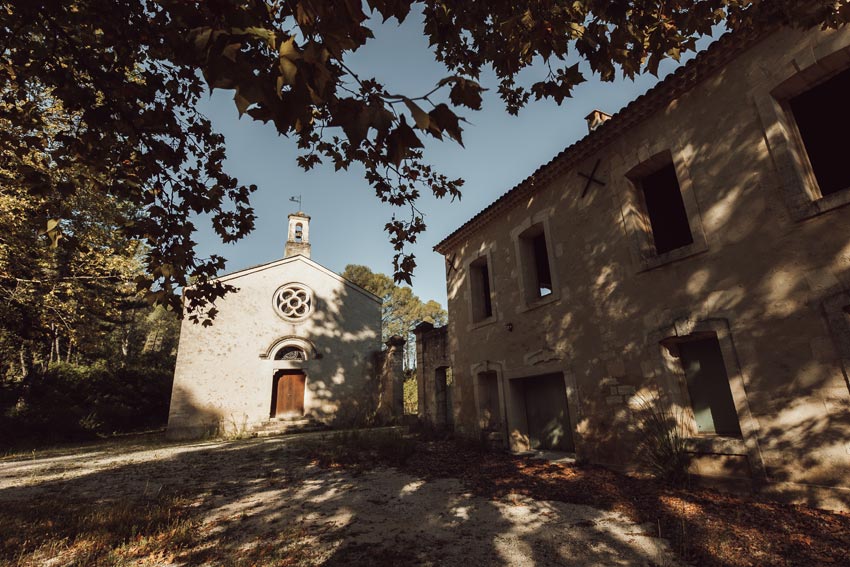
(130, 72)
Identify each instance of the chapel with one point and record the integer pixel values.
(690, 254)
(295, 343)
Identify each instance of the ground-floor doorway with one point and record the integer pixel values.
(288, 393)
(541, 401)
(444, 389)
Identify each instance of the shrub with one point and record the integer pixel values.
(76, 402)
(663, 449)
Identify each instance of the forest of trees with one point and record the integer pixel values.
(81, 351)
(401, 310)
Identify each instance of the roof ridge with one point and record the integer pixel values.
(274, 263)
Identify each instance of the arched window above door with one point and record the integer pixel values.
(290, 353)
(283, 348)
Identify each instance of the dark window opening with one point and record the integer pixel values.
(482, 305)
(666, 210)
(299, 233)
(537, 274)
(541, 264)
(823, 119)
(708, 386)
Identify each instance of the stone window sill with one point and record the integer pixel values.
(656, 260)
(809, 209)
(482, 323)
(530, 306)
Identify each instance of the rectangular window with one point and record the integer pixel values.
(708, 386)
(538, 275)
(482, 305)
(823, 119)
(666, 209)
(541, 265)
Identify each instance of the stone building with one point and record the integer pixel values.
(296, 343)
(695, 247)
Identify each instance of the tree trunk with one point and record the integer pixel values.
(25, 369)
(52, 345)
(125, 347)
(27, 373)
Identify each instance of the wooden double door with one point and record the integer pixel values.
(288, 393)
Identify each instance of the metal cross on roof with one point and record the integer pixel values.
(591, 178)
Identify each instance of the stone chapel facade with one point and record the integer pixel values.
(695, 246)
(295, 343)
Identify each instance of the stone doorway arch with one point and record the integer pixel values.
(289, 360)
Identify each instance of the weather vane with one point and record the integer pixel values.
(296, 200)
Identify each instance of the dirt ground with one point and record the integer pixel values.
(255, 499)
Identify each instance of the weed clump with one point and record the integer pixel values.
(663, 449)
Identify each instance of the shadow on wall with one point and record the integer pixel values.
(764, 273)
(347, 390)
(342, 373)
(206, 421)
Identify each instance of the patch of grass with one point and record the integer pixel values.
(361, 447)
(94, 533)
(427, 431)
(235, 430)
(289, 546)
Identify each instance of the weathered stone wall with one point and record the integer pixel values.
(432, 354)
(766, 274)
(224, 373)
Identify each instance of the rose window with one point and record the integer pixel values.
(293, 301)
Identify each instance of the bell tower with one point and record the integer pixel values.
(298, 239)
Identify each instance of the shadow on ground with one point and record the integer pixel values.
(266, 502)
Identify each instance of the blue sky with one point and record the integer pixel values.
(347, 219)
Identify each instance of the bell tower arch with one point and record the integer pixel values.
(298, 236)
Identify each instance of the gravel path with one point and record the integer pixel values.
(250, 492)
